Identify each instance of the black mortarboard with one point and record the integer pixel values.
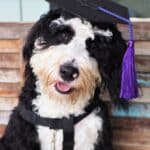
(107, 11)
(87, 9)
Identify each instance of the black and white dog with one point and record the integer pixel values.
(69, 62)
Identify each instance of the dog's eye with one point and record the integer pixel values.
(59, 34)
(64, 34)
(64, 37)
(39, 43)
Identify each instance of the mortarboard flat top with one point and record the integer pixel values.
(88, 9)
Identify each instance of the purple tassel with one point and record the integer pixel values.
(129, 87)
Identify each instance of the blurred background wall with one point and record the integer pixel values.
(137, 8)
(22, 10)
(30, 10)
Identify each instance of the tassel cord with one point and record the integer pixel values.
(129, 88)
(121, 18)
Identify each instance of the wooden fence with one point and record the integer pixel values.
(131, 130)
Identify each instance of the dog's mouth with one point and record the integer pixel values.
(63, 87)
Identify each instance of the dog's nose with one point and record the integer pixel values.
(69, 72)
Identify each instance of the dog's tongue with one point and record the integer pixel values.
(63, 87)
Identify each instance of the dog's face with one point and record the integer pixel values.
(71, 58)
(67, 71)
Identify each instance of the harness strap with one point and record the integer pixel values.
(68, 134)
(66, 124)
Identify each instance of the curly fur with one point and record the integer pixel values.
(108, 52)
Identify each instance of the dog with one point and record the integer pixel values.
(68, 63)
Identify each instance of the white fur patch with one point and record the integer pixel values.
(106, 33)
(59, 21)
(50, 139)
(54, 108)
(86, 132)
(82, 30)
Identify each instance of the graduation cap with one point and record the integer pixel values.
(107, 11)
(88, 9)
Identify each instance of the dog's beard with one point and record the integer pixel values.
(81, 89)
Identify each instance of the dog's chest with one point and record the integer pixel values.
(86, 135)
(86, 131)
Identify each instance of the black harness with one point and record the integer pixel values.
(66, 124)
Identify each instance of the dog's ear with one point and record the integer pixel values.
(40, 28)
(109, 51)
(29, 44)
(111, 65)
